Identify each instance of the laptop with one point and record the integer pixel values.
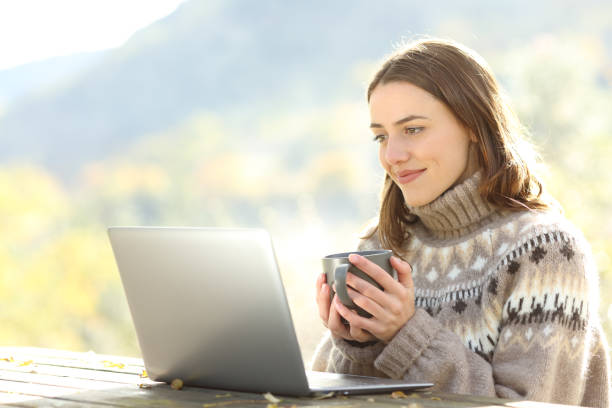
(209, 307)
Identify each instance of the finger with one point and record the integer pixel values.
(384, 315)
(319, 286)
(365, 288)
(367, 303)
(404, 271)
(343, 311)
(357, 323)
(360, 334)
(335, 324)
(374, 271)
(323, 303)
(320, 281)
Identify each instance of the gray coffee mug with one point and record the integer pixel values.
(336, 267)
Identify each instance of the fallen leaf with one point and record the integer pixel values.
(144, 374)
(25, 363)
(9, 359)
(272, 398)
(398, 395)
(223, 395)
(435, 399)
(110, 364)
(145, 385)
(324, 396)
(176, 384)
(415, 395)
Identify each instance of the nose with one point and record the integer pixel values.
(396, 151)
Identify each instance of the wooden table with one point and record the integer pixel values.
(35, 377)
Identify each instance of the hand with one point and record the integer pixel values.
(390, 309)
(331, 318)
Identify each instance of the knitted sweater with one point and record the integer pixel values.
(506, 306)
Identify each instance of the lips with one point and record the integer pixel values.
(406, 176)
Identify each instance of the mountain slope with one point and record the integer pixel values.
(236, 56)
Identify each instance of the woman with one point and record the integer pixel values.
(497, 292)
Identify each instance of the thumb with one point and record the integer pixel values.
(404, 271)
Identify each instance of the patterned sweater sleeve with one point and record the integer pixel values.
(548, 340)
(335, 355)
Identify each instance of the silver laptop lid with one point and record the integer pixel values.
(209, 307)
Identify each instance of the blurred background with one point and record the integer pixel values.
(249, 114)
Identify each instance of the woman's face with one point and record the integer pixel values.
(423, 147)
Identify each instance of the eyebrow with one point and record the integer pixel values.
(399, 122)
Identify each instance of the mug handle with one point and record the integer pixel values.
(340, 279)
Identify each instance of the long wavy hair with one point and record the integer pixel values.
(462, 80)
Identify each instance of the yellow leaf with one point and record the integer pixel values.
(398, 395)
(110, 364)
(272, 398)
(176, 384)
(144, 374)
(323, 396)
(9, 359)
(26, 363)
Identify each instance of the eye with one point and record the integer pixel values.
(379, 138)
(413, 130)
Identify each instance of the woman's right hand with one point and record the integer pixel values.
(332, 319)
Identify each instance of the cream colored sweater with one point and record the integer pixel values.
(506, 306)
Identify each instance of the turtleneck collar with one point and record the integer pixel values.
(458, 211)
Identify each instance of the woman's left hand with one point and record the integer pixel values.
(390, 309)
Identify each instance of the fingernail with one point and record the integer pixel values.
(353, 257)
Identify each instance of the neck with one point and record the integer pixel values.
(459, 211)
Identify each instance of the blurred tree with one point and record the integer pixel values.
(309, 175)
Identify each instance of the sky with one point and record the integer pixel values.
(33, 30)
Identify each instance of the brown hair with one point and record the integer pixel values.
(462, 80)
